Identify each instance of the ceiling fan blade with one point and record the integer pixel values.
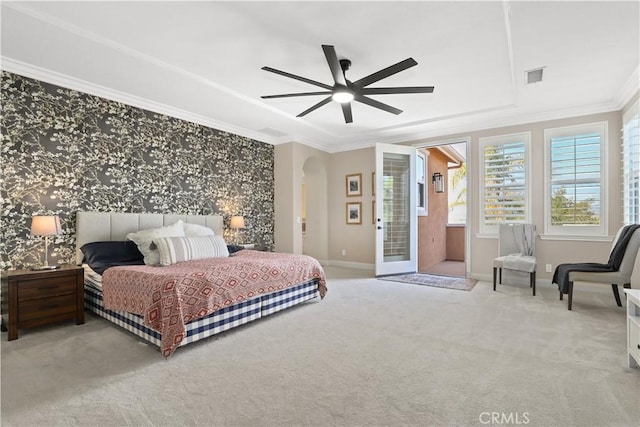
(288, 95)
(334, 64)
(293, 76)
(384, 73)
(315, 107)
(377, 104)
(346, 111)
(392, 90)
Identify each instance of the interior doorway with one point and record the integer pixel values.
(314, 223)
(442, 208)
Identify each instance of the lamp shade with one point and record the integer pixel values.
(237, 222)
(45, 225)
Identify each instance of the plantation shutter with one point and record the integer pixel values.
(631, 165)
(575, 179)
(505, 187)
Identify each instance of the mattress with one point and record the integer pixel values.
(214, 323)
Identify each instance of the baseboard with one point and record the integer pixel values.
(349, 264)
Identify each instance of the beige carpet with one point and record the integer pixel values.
(459, 283)
(372, 353)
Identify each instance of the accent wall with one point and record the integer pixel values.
(64, 151)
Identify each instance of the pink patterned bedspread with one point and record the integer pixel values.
(169, 297)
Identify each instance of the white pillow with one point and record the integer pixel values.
(144, 240)
(178, 249)
(197, 230)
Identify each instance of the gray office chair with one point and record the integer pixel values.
(614, 278)
(517, 251)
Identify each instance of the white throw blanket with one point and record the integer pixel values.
(523, 262)
(520, 262)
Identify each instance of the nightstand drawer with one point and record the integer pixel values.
(53, 286)
(40, 297)
(47, 307)
(634, 336)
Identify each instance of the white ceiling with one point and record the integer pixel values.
(201, 61)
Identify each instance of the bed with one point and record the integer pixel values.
(160, 314)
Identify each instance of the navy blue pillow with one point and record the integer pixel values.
(234, 248)
(102, 255)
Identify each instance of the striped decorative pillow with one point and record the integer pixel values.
(178, 249)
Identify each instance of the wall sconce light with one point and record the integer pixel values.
(46, 226)
(236, 223)
(438, 182)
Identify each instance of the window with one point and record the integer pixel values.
(504, 181)
(575, 196)
(631, 165)
(421, 174)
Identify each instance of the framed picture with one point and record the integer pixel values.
(354, 185)
(373, 212)
(373, 183)
(354, 213)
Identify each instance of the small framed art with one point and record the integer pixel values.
(354, 212)
(373, 183)
(373, 212)
(354, 185)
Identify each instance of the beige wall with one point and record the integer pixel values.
(289, 165)
(315, 240)
(358, 241)
(284, 208)
(483, 250)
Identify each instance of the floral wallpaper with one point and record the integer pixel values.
(64, 151)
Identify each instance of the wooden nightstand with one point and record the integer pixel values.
(36, 298)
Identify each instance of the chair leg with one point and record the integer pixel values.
(494, 278)
(570, 299)
(561, 295)
(533, 282)
(500, 276)
(616, 294)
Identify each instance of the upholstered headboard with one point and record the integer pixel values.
(110, 226)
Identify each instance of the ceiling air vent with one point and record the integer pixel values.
(534, 76)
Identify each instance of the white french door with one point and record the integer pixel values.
(396, 215)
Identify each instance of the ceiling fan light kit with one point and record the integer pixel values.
(342, 95)
(344, 91)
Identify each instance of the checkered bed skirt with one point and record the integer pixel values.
(216, 322)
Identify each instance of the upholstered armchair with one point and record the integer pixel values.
(516, 250)
(614, 273)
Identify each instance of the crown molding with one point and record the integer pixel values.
(483, 123)
(59, 79)
(629, 89)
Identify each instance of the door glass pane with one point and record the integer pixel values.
(396, 186)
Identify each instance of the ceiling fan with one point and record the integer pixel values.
(345, 91)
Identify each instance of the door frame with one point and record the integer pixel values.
(383, 268)
(469, 195)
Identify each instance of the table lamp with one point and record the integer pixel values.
(45, 225)
(236, 223)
